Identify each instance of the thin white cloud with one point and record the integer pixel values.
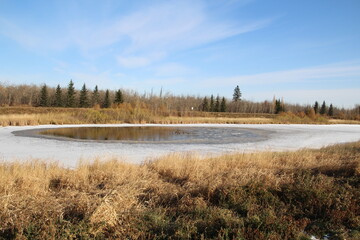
(22, 79)
(101, 79)
(139, 61)
(169, 27)
(171, 70)
(158, 82)
(331, 71)
(34, 37)
(133, 62)
(166, 26)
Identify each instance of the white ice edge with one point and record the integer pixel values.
(68, 153)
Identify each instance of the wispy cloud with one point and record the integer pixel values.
(34, 38)
(101, 79)
(133, 62)
(22, 79)
(168, 27)
(325, 72)
(157, 82)
(163, 27)
(139, 61)
(172, 69)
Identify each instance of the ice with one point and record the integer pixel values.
(68, 153)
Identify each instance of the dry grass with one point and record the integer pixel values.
(252, 196)
(215, 120)
(21, 116)
(37, 197)
(271, 168)
(343, 121)
(93, 117)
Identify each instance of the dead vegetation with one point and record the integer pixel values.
(126, 113)
(267, 195)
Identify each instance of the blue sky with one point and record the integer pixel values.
(300, 50)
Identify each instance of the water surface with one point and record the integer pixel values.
(152, 134)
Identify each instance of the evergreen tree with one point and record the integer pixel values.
(58, 97)
(83, 99)
(223, 105)
(316, 107)
(323, 108)
(237, 94)
(95, 96)
(278, 107)
(107, 101)
(205, 105)
(217, 104)
(70, 99)
(212, 104)
(44, 98)
(118, 97)
(331, 110)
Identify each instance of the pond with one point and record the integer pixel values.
(31, 142)
(152, 134)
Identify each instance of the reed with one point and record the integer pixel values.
(268, 195)
(125, 113)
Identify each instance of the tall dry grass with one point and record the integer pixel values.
(130, 115)
(126, 113)
(94, 116)
(266, 195)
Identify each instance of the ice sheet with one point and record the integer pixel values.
(68, 153)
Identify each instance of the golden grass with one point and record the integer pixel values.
(111, 199)
(93, 116)
(270, 167)
(343, 121)
(37, 119)
(66, 118)
(105, 191)
(215, 120)
(125, 113)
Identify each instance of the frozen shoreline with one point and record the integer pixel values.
(68, 153)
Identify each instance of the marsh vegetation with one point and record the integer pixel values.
(126, 113)
(270, 195)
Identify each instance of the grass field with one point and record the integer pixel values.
(21, 116)
(291, 195)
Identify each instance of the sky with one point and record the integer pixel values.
(302, 51)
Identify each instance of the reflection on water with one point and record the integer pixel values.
(155, 134)
(119, 133)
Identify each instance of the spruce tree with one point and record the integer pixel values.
(118, 97)
(331, 110)
(205, 105)
(212, 104)
(44, 98)
(217, 104)
(223, 105)
(278, 107)
(95, 96)
(323, 108)
(83, 99)
(58, 97)
(70, 99)
(107, 101)
(237, 94)
(316, 107)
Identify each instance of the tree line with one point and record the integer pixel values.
(45, 96)
(86, 98)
